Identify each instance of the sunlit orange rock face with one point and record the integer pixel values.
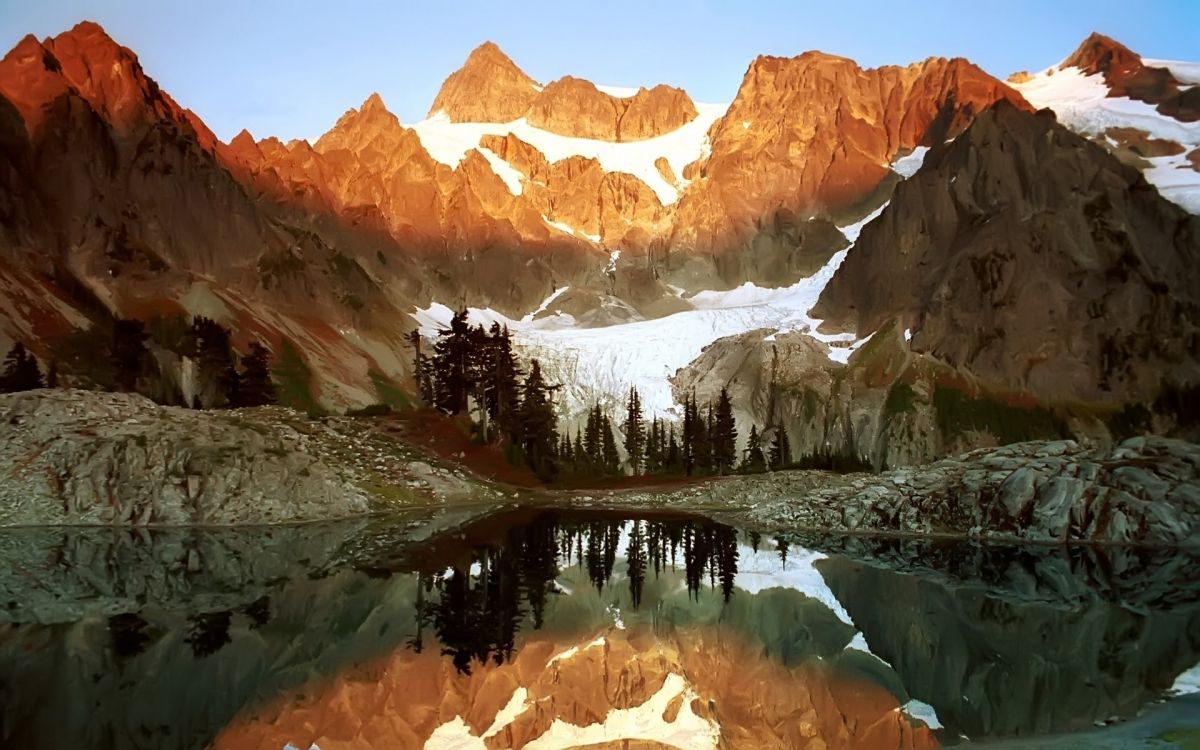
(1126, 75)
(491, 88)
(86, 62)
(575, 107)
(700, 689)
(488, 88)
(814, 135)
(369, 164)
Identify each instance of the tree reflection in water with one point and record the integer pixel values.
(479, 607)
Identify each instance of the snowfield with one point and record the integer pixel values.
(1082, 103)
(601, 364)
(448, 142)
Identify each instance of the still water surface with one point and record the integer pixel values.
(547, 629)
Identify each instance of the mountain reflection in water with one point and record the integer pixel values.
(547, 629)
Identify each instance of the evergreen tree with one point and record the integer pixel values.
(566, 452)
(538, 435)
(674, 456)
(654, 447)
(754, 460)
(230, 385)
(703, 440)
(209, 343)
(21, 371)
(724, 436)
(592, 440)
(422, 367)
(581, 459)
(781, 449)
(635, 437)
(256, 386)
(690, 423)
(52, 374)
(454, 365)
(128, 353)
(608, 447)
(500, 376)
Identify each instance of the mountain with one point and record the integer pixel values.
(1026, 253)
(812, 136)
(1147, 112)
(609, 226)
(119, 204)
(490, 88)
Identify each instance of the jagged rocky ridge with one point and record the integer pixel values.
(1030, 256)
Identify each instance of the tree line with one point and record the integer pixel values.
(474, 371)
(124, 362)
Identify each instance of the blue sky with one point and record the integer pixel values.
(291, 68)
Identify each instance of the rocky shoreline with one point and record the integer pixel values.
(89, 458)
(73, 457)
(1144, 491)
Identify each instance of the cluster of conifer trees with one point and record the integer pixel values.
(472, 370)
(129, 365)
(208, 343)
(21, 372)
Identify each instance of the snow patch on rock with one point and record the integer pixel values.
(448, 142)
(1082, 103)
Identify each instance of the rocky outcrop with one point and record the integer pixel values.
(116, 459)
(489, 87)
(1144, 491)
(1126, 75)
(814, 135)
(575, 107)
(1028, 255)
(81, 457)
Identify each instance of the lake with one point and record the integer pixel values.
(583, 628)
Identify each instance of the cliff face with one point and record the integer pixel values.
(813, 135)
(1029, 256)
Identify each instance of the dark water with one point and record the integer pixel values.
(188, 639)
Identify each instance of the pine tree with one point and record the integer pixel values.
(608, 447)
(422, 367)
(21, 371)
(566, 453)
(256, 386)
(703, 440)
(754, 460)
(582, 464)
(128, 353)
(689, 433)
(230, 385)
(453, 365)
(501, 373)
(724, 436)
(635, 436)
(209, 343)
(539, 437)
(674, 456)
(653, 459)
(52, 374)
(781, 449)
(593, 443)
